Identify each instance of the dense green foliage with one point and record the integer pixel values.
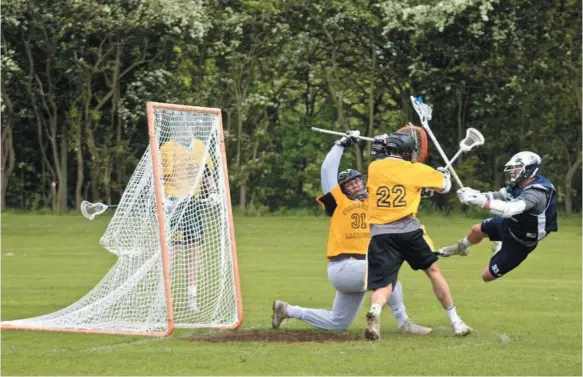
(76, 76)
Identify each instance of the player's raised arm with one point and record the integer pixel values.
(331, 164)
(438, 179)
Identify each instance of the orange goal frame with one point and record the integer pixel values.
(151, 106)
(154, 148)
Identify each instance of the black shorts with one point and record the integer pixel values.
(494, 227)
(511, 254)
(187, 223)
(387, 252)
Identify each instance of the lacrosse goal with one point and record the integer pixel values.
(173, 235)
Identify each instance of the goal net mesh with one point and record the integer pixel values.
(132, 297)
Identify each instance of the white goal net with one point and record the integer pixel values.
(173, 236)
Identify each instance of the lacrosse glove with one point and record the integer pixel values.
(379, 147)
(350, 138)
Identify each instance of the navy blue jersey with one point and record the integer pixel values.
(534, 224)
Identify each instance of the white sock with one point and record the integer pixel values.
(376, 309)
(397, 305)
(400, 314)
(466, 242)
(294, 311)
(452, 314)
(192, 291)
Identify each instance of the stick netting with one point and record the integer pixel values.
(132, 295)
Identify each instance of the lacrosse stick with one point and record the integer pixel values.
(424, 112)
(90, 210)
(323, 131)
(473, 139)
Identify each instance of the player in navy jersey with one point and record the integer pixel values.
(526, 212)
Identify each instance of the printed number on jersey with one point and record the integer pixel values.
(391, 197)
(358, 221)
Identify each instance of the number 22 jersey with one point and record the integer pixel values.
(394, 188)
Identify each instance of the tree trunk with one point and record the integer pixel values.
(107, 182)
(8, 162)
(568, 184)
(94, 164)
(76, 132)
(115, 170)
(239, 134)
(80, 175)
(243, 193)
(54, 195)
(8, 154)
(358, 155)
(460, 122)
(228, 121)
(341, 109)
(64, 154)
(497, 180)
(371, 90)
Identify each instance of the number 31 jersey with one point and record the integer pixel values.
(349, 232)
(394, 188)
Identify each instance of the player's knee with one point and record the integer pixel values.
(339, 323)
(476, 228)
(487, 275)
(340, 327)
(433, 270)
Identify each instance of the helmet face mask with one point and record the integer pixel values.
(379, 151)
(512, 174)
(521, 166)
(352, 184)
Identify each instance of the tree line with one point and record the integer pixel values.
(76, 76)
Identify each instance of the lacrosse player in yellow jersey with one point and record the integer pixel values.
(181, 162)
(394, 185)
(345, 201)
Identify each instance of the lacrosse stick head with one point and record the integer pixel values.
(422, 109)
(90, 210)
(420, 136)
(473, 139)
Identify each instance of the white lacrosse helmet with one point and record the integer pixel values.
(521, 166)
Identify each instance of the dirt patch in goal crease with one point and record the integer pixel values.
(274, 336)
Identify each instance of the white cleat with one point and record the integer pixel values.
(457, 249)
(461, 329)
(373, 327)
(409, 327)
(279, 313)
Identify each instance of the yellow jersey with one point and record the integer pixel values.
(349, 232)
(394, 188)
(180, 166)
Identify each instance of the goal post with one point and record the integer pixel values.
(174, 237)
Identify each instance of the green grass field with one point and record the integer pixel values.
(528, 323)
